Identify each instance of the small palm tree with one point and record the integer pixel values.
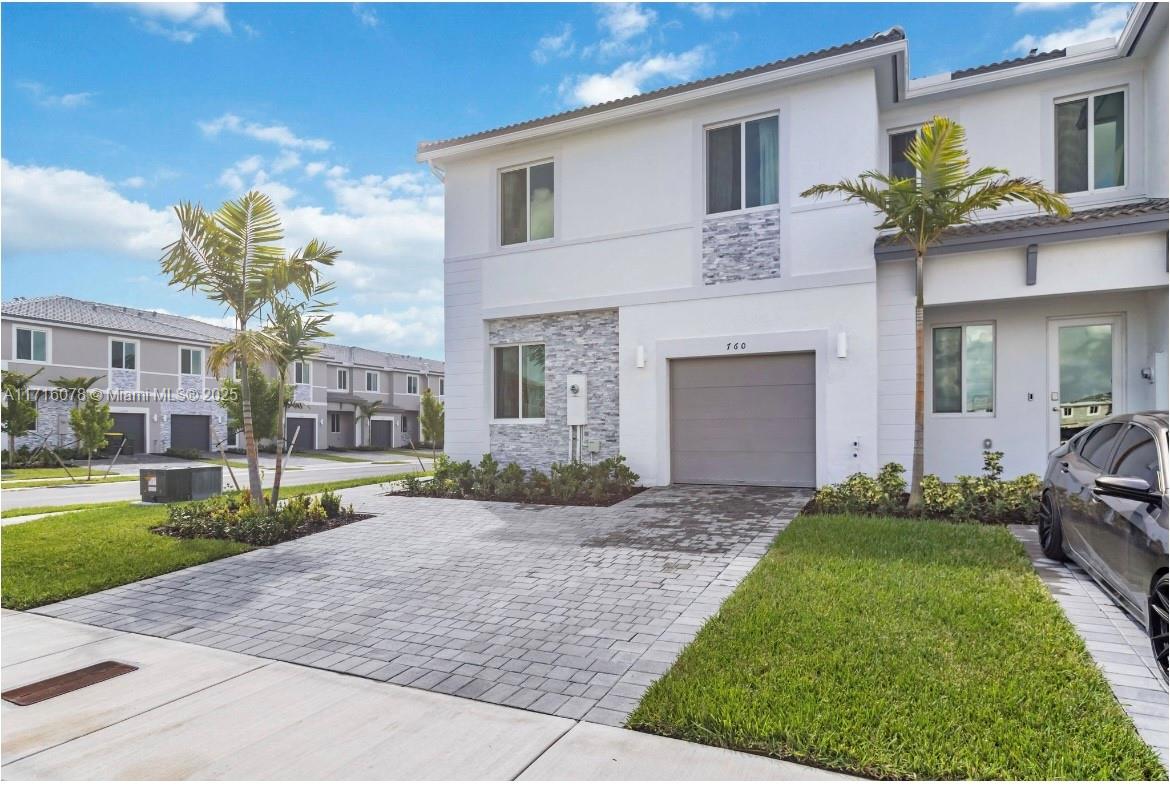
(920, 209)
(231, 256)
(292, 328)
(366, 413)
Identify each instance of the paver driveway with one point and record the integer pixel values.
(566, 610)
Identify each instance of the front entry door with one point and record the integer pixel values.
(1085, 382)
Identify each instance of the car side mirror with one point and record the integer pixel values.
(1130, 487)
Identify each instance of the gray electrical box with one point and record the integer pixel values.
(170, 485)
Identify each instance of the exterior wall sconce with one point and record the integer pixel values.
(842, 345)
(640, 356)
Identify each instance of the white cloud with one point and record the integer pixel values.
(181, 22)
(391, 330)
(218, 321)
(621, 24)
(1106, 21)
(633, 77)
(286, 161)
(58, 209)
(45, 98)
(1043, 5)
(366, 15)
(234, 176)
(555, 45)
(711, 11)
(133, 182)
(274, 133)
(313, 168)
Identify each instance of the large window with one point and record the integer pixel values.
(526, 203)
(1090, 142)
(743, 165)
(123, 355)
(519, 381)
(900, 167)
(343, 379)
(301, 372)
(963, 369)
(32, 345)
(372, 381)
(191, 361)
(411, 383)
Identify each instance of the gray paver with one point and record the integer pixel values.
(572, 610)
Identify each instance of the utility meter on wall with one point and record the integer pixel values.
(575, 392)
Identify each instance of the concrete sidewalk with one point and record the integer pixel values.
(191, 712)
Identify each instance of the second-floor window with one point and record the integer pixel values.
(301, 372)
(411, 384)
(526, 203)
(191, 361)
(441, 390)
(963, 369)
(743, 165)
(900, 167)
(123, 355)
(372, 381)
(342, 379)
(32, 345)
(1090, 142)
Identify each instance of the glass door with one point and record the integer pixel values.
(1084, 374)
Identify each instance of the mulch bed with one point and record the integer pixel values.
(538, 502)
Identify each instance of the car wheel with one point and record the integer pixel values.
(1159, 595)
(1049, 530)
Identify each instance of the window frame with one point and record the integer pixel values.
(377, 382)
(202, 362)
(48, 333)
(1090, 159)
(743, 208)
(341, 373)
(412, 381)
(442, 388)
(305, 366)
(520, 419)
(929, 384)
(898, 130)
(334, 417)
(528, 240)
(110, 351)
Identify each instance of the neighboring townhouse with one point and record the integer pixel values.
(153, 367)
(642, 276)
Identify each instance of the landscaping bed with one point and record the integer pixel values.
(234, 518)
(899, 649)
(569, 484)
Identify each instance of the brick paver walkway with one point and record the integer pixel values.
(1117, 643)
(566, 610)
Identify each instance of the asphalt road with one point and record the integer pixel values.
(312, 472)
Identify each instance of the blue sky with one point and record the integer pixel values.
(112, 113)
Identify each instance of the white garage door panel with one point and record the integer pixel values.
(744, 420)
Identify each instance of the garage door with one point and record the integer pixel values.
(191, 432)
(381, 433)
(306, 440)
(744, 420)
(133, 426)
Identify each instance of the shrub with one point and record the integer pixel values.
(331, 503)
(233, 517)
(183, 453)
(986, 498)
(26, 457)
(605, 482)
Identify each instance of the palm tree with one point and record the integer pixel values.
(231, 256)
(366, 413)
(292, 327)
(943, 194)
(18, 411)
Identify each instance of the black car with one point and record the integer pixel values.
(1104, 505)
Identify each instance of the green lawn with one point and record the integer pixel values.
(28, 484)
(24, 474)
(899, 649)
(92, 547)
(23, 511)
(328, 456)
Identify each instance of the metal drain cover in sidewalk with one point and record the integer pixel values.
(66, 683)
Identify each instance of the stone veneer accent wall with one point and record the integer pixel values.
(584, 342)
(744, 247)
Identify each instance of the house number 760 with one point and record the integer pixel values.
(737, 345)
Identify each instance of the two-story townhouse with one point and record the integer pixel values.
(643, 277)
(154, 369)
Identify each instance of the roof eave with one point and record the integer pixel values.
(784, 74)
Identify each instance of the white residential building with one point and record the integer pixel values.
(655, 253)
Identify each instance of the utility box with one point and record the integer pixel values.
(575, 394)
(170, 485)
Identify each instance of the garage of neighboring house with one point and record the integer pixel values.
(744, 420)
(191, 432)
(306, 439)
(382, 433)
(133, 427)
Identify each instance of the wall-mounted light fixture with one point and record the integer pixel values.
(640, 356)
(842, 345)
